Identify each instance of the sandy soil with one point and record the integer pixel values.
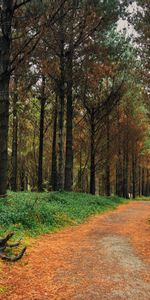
(106, 258)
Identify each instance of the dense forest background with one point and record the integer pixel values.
(74, 102)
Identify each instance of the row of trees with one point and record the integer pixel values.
(74, 98)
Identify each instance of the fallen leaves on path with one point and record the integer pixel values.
(106, 258)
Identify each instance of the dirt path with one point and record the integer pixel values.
(106, 258)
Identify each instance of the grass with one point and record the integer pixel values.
(31, 214)
(144, 198)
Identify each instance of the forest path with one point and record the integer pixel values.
(106, 258)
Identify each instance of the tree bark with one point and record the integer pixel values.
(15, 141)
(119, 169)
(143, 181)
(119, 185)
(41, 137)
(4, 118)
(147, 183)
(5, 44)
(125, 174)
(107, 156)
(69, 136)
(80, 172)
(61, 109)
(53, 179)
(126, 163)
(134, 176)
(92, 161)
(139, 181)
(22, 178)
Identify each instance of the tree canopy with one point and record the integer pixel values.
(74, 101)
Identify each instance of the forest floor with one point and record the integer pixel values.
(107, 257)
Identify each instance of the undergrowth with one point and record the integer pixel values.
(145, 198)
(31, 214)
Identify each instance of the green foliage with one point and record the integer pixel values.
(142, 198)
(3, 289)
(33, 213)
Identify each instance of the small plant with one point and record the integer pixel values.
(32, 213)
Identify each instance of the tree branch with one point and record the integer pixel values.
(16, 6)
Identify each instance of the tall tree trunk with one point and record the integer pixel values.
(126, 164)
(5, 43)
(107, 156)
(41, 137)
(119, 185)
(119, 169)
(92, 161)
(80, 173)
(69, 136)
(125, 174)
(61, 108)
(139, 180)
(134, 175)
(53, 179)
(4, 118)
(147, 183)
(15, 142)
(22, 178)
(143, 181)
